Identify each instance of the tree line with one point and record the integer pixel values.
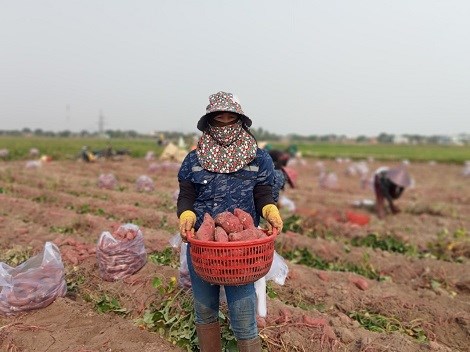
(259, 133)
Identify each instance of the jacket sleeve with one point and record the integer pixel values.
(186, 197)
(263, 190)
(187, 192)
(263, 195)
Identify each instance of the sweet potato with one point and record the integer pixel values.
(124, 234)
(245, 218)
(360, 283)
(246, 235)
(206, 231)
(229, 222)
(220, 235)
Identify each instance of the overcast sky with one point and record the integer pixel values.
(306, 67)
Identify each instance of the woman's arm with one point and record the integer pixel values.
(186, 197)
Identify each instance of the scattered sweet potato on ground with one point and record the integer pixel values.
(360, 283)
(314, 321)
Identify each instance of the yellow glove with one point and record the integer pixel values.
(187, 221)
(273, 217)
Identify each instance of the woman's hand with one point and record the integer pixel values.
(187, 222)
(273, 217)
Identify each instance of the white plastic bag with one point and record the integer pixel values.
(287, 203)
(107, 181)
(34, 284)
(278, 273)
(144, 184)
(260, 288)
(184, 278)
(121, 254)
(176, 242)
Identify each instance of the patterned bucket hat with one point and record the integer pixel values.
(222, 102)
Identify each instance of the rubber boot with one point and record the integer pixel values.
(209, 337)
(252, 345)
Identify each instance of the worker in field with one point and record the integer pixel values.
(389, 185)
(282, 173)
(87, 155)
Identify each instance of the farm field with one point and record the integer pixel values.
(61, 148)
(398, 284)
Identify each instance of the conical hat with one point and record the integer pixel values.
(399, 176)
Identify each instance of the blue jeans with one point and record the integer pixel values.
(241, 301)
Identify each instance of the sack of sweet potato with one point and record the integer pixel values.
(34, 284)
(121, 253)
(229, 227)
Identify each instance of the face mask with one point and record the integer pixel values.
(226, 135)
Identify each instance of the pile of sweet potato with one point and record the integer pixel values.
(34, 284)
(33, 289)
(121, 254)
(228, 227)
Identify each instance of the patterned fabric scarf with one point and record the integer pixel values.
(226, 149)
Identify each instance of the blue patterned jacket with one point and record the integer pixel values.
(249, 188)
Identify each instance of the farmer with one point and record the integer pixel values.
(87, 155)
(389, 184)
(227, 170)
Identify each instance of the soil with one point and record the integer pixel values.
(420, 299)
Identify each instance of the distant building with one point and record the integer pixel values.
(400, 139)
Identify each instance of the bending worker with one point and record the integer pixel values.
(389, 185)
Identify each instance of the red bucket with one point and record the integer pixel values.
(357, 218)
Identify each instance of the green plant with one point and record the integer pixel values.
(461, 233)
(380, 323)
(270, 292)
(74, 278)
(172, 315)
(65, 230)
(83, 209)
(16, 255)
(43, 198)
(450, 247)
(293, 223)
(106, 304)
(165, 257)
(100, 212)
(386, 243)
(305, 257)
